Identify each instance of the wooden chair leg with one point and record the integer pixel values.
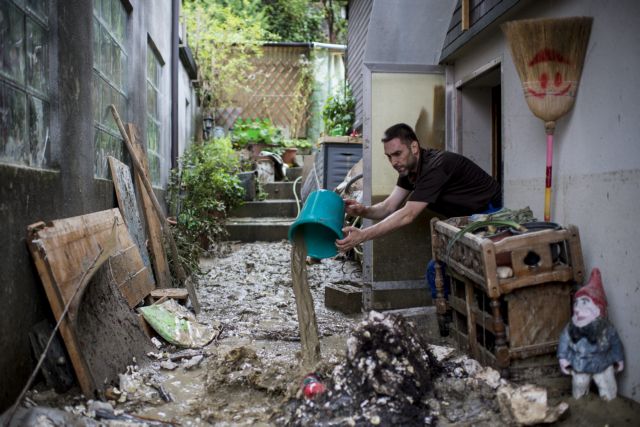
(441, 302)
(501, 351)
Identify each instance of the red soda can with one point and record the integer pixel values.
(311, 386)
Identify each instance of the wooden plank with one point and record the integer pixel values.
(560, 273)
(175, 293)
(154, 228)
(88, 247)
(121, 176)
(131, 276)
(465, 15)
(83, 237)
(538, 314)
(471, 318)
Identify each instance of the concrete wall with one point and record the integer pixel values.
(68, 188)
(596, 182)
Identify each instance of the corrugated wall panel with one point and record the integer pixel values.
(359, 14)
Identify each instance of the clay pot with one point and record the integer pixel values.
(289, 156)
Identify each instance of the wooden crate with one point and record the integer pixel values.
(499, 321)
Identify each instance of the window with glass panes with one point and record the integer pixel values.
(109, 63)
(156, 140)
(24, 82)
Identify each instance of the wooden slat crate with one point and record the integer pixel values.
(496, 320)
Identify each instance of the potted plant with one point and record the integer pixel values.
(338, 114)
(257, 134)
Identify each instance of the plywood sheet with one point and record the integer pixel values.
(67, 252)
(121, 175)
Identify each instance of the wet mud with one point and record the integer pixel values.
(377, 369)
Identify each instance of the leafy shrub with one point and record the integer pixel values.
(338, 114)
(203, 191)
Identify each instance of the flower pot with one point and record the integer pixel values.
(289, 156)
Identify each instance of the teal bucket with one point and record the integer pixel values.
(320, 223)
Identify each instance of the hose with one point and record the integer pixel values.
(295, 195)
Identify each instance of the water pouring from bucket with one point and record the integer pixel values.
(313, 233)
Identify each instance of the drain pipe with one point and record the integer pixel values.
(175, 41)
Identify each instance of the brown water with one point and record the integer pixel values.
(304, 303)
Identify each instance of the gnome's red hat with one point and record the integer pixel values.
(594, 290)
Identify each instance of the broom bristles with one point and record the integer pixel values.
(549, 57)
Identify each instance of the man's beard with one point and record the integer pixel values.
(591, 332)
(410, 168)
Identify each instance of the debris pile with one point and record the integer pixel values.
(392, 377)
(385, 380)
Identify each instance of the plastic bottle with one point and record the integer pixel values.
(311, 386)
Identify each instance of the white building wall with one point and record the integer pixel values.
(596, 182)
(187, 110)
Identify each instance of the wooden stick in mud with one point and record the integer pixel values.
(182, 277)
(304, 303)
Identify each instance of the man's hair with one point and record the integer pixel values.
(402, 131)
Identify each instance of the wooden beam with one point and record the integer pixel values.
(466, 12)
(154, 228)
(182, 277)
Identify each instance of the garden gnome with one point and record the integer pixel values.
(589, 345)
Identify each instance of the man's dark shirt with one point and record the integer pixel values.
(451, 184)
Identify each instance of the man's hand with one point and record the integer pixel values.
(354, 208)
(619, 366)
(565, 366)
(353, 236)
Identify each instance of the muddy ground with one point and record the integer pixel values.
(250, 375)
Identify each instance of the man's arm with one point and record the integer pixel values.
(379, 210)
(354, 236)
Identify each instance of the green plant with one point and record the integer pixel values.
(338, 114)
(301, 144)
(294, 20)
(225, 36)
(258, 131)
(202, 192)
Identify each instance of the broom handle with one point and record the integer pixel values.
(547, 190)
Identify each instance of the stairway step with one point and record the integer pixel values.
(258, 229)
(281, 190)
(293, 173)
(266, 208)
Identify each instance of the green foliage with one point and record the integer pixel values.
(225, 35)
(203, 192)
(338, 114)
(294, 20)
(301, 144)
(258, 131)
(336, 25)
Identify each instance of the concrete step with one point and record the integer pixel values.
(281, 190)
(258, 229)
(293, 173)
(266, 208)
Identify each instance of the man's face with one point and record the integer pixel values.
(584, 311)
(404, 159)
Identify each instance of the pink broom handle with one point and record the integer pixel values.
(547, 190)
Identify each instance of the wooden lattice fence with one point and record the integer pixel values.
(274, 91)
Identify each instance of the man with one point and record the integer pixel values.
(450, 184)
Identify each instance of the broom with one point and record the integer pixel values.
(549, 55)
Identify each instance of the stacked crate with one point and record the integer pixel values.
(503, 322)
